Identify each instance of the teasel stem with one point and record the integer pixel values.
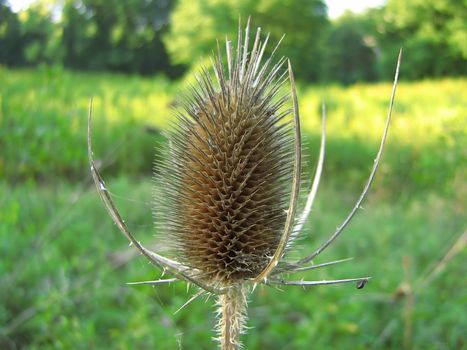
(232, 318)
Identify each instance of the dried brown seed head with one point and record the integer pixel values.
(227, 179)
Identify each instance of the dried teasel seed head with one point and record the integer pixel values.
(226, 181)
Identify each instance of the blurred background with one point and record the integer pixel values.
(63, 264)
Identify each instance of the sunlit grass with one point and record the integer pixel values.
(423, 112)
(48, 107)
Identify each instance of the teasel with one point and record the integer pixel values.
(230, 184)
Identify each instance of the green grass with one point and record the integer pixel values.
(64, 268)
(48, 108)
(64, 265)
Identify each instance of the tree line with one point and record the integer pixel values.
(166, 36)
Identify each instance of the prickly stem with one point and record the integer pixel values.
(231, 318)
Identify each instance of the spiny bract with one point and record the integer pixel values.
(226, 180)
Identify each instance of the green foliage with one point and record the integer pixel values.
(31, 37)
(90, 34)
(40, 36)
(64, 267)
(167, 36)
(48, 107)
(349, 55)
(427, 140)
(304, 23)
(432, 32)
(116, 35)
(50, 237)
(10, 36)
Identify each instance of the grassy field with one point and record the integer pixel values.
(63, 264)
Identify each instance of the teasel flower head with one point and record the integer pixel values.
(226, 181)
(230, 182)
